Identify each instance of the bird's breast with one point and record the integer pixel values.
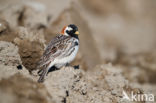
(68, 58)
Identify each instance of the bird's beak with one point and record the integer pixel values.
(77, 33)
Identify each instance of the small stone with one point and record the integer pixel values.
(19, 67)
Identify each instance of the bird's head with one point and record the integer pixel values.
(70, 30)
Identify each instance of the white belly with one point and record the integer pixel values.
(61, 62)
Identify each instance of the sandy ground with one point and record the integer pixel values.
(117, 50)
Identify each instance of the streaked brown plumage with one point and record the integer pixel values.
(60, 51)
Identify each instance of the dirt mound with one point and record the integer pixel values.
(116, 56)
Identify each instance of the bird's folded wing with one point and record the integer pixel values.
(54, 49)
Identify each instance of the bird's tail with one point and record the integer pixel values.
(42, 75)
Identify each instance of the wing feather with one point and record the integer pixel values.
(54, 48)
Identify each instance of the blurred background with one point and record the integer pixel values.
(119, 32)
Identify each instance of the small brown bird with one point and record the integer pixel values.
(60, 51)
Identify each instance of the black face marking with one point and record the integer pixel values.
(72, 32)
(73, 27)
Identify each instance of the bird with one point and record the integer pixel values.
(60, 51)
